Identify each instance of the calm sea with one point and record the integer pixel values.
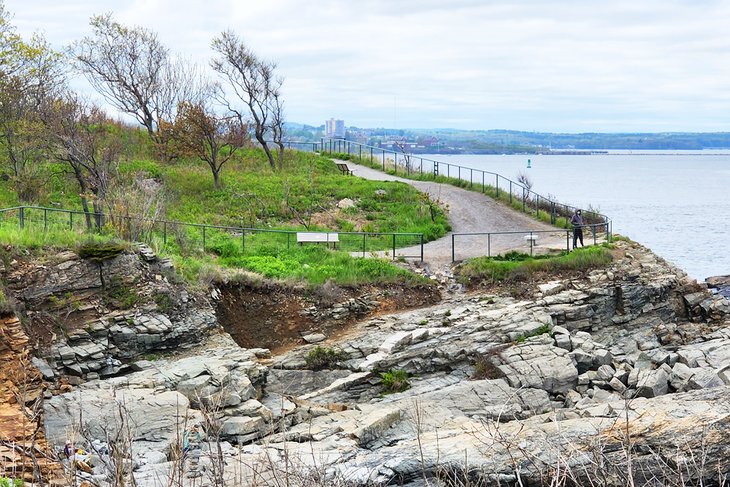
(675, 202)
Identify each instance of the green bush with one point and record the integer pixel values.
(324, 358)
(395, 380)
(120, 295)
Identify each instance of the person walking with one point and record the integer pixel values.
(577, 222)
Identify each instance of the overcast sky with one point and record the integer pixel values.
(542, 65)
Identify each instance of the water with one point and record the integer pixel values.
(674, 202)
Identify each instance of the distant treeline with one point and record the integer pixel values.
(492, 139)
(513, 141)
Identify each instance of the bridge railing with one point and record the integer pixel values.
(224, 240)
(413, 166)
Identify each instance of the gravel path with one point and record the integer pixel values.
(473, 212)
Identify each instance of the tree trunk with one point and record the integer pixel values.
(267, 149)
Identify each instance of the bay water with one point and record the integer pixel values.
(675, 202)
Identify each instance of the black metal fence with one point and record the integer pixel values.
(227, 241)
(495, 185)
(469, 245)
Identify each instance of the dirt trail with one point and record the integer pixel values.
(473, 212)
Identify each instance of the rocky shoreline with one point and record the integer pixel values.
(622, 373)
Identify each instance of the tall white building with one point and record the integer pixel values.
(334, 128)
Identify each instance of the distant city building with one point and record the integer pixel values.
(334, 128)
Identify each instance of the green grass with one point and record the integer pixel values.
(316, 264)
(517, 266)
(302, 196)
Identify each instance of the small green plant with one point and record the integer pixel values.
(8, 482)
(119, 294)
(163, 301)
(539, 331)
(395, 380)
(324, 358)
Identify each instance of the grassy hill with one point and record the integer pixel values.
(309, 193)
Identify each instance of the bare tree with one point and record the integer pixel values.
(254, 83)
(80, 135)
(134, 71)
(209, 136)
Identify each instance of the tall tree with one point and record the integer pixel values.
(211, 137)
(30, 73)
(81, 138)
(255, 84)
(134, 71)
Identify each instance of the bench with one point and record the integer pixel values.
(318, 237)
(530, 239)
(344, 169)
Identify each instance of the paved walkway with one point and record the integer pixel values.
(473, 212)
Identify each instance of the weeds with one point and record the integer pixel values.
(324, 358)
(395, 380)
(515, 266)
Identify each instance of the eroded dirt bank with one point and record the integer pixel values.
(277, 316)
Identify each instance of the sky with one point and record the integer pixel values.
(535, 65)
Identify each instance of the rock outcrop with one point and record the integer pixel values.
(622, 374)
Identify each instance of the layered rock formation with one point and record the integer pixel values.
(620, 375)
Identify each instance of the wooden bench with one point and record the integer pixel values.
(318, 237)
(344, 169)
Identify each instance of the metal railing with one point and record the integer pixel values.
(493, 184)
(225, 240)
(478, 244)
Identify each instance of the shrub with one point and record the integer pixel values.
(324, 358)
(395, 380)
(164, 301)
(120, 295)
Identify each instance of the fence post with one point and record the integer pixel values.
(453, 252)
(594, 234)
(510, 191)
(21, 221)
(45, 219)
(537, 206)
(383, 160)
(489, 245)
(471, 177)
(203, 239)
(164, 233)
(532, 243)
(243, 241)
(524, 210)
(567, 241)
(363, 243)
(496, 178)
(71, 220)
(421, 247)
(394, 246)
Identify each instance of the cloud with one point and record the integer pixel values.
(528, 64)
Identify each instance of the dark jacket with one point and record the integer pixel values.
(577, 220)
